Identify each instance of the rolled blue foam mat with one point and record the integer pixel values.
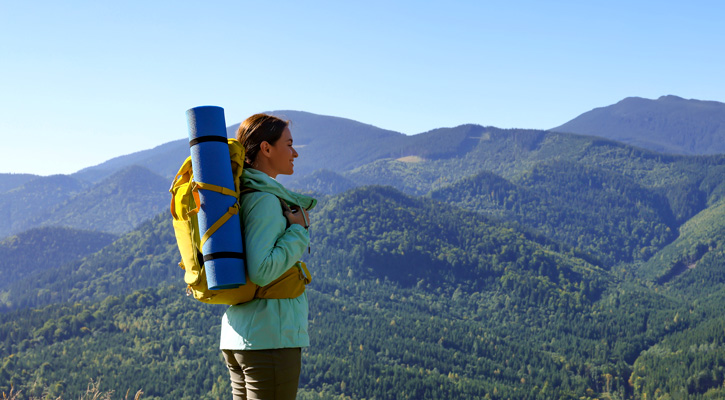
(223, 251)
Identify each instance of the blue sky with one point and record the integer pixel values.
(85, 81)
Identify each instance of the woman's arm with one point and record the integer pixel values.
(270, 248)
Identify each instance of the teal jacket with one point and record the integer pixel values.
(271, 249)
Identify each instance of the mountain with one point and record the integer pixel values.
(688, 183)
(669, 124)
(441, 157)
(322, 181)
(322, 142)
(115, 205)
(163, 160)
(11, 181)
(36, 196)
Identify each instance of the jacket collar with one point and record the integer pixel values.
(258, 180)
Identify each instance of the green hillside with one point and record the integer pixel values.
(687, 364)
(41, 249)
(693, 263)
(142, 258)
(380, 233)
(597, 211)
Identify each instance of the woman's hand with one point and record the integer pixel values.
(298, 216)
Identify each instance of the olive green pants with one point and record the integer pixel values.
(264, 374)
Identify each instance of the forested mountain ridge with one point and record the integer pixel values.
(380, 233)
(115, 205)
(11, 181)
(511, 153)
(668, 124)
(584, 206)
(34, 197)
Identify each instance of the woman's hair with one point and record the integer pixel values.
(257, 129)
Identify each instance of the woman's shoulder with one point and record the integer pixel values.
(255, 196)
(259, 199)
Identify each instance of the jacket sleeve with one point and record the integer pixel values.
(270, 248)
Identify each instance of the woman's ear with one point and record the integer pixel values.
(264, 148)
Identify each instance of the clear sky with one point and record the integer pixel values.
(84, 81)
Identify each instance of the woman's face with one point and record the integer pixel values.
(282, 155)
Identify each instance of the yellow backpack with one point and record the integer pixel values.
(185, 205)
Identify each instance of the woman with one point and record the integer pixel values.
(261, 340)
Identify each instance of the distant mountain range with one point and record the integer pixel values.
(337, 154)
(321, 141)
(669, 124)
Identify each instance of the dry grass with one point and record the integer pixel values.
(93, 392)
(411, 159)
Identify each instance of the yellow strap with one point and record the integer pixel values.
(216, 188)
(224, 218)
(195, 186)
